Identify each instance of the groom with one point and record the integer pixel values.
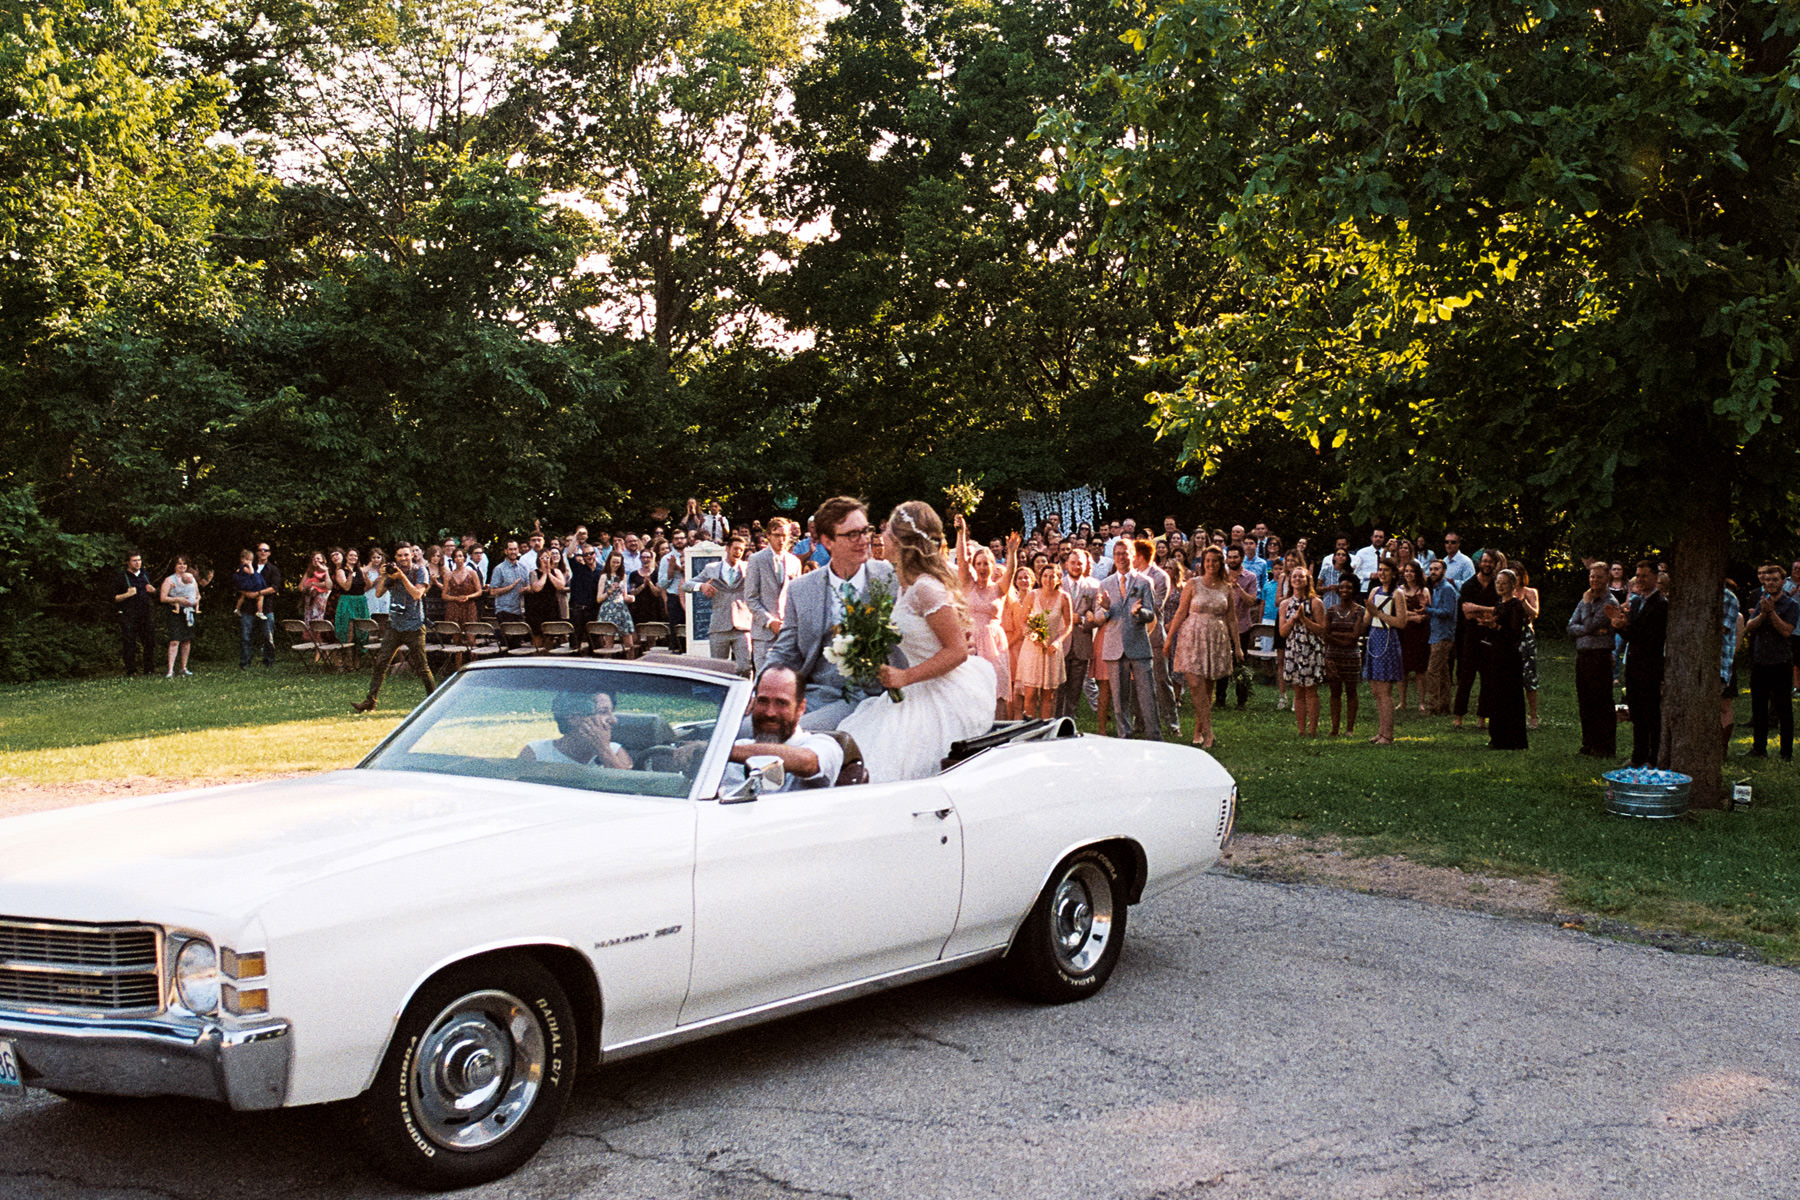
(815, 606)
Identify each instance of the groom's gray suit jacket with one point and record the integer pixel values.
(806, 628)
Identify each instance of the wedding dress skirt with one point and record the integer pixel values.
(908, 739)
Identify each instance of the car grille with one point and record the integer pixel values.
(80, 968)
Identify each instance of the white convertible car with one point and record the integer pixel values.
(444, 935)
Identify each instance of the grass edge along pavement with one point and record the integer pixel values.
(1439, 797)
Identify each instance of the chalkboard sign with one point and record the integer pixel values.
(699, 608)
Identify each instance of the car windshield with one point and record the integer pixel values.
(600, 730)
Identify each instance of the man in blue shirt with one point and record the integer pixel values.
(247, 582)
(406, 581)
(1442, 639)
(1458, 569)
(506, 584)
(1254, 561)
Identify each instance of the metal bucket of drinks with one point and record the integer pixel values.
(1646, 792)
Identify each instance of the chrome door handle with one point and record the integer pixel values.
(939, 813)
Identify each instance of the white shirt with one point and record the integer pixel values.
(528, 560)
(1364, 562)
(831, 761)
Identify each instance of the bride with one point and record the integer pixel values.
(949, 695)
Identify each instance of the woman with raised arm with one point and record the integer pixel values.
(543, 593)
(979, 573)
(315, 594)
(946, 692)
(353, 599)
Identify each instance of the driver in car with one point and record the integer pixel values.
(586, 722)
(810, 759)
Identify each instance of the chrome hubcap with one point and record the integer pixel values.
(478, 1071)
(1081, 917)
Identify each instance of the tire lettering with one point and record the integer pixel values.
(406, 1116)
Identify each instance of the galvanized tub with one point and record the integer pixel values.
(1645, 792)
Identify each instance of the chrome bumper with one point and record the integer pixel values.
(245, 1068)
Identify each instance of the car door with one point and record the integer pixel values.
(803, 890)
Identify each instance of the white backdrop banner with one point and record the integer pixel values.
(1075, 508)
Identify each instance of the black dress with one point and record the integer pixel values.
(1506, 679)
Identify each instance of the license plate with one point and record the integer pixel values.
(12, 1087)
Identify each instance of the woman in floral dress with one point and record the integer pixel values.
(1303, 624)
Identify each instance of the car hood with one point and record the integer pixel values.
(221, 852)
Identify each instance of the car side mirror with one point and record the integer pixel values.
(762, 773)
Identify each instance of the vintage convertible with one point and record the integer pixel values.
(442, 936)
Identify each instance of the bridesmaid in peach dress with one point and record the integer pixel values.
(987, 605)
(1041, 666)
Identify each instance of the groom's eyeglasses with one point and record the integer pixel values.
(856, 535)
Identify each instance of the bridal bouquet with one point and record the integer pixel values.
(863, 642)
(1038, 626)
(962, 497)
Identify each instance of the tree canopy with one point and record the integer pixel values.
(1489, 251)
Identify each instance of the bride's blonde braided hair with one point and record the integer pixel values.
(915, 541)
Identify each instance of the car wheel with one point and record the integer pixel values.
(1072, 937)
(479, 1070)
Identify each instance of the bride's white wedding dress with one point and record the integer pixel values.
(909, 738)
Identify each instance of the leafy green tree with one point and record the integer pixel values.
(955, 304)
(114, 312)
(656, 116)
(1491, 251)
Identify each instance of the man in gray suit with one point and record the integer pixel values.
(1130, 608)
(767, 574)
(722, 582)
(1084, 602)
(814, 608)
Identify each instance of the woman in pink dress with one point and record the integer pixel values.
(1206, 643)
(1013, 612)
(987, 602)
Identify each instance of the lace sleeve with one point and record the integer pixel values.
(927, 595)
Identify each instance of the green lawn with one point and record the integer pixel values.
(1438, 796)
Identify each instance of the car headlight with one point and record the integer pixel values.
(197, 977)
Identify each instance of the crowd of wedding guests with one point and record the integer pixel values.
(1131, 623)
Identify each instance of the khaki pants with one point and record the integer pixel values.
(1437, 677)
(392, 642)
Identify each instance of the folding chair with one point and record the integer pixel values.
(603, 640)
(480, 636)
(365, 639)
(652, 634)
(303, 642)
(449, 646)
(560, 635)
(325, 634)
(517, 629)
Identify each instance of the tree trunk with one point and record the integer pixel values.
(1691, 740)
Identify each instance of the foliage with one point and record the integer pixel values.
(1488, 251)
